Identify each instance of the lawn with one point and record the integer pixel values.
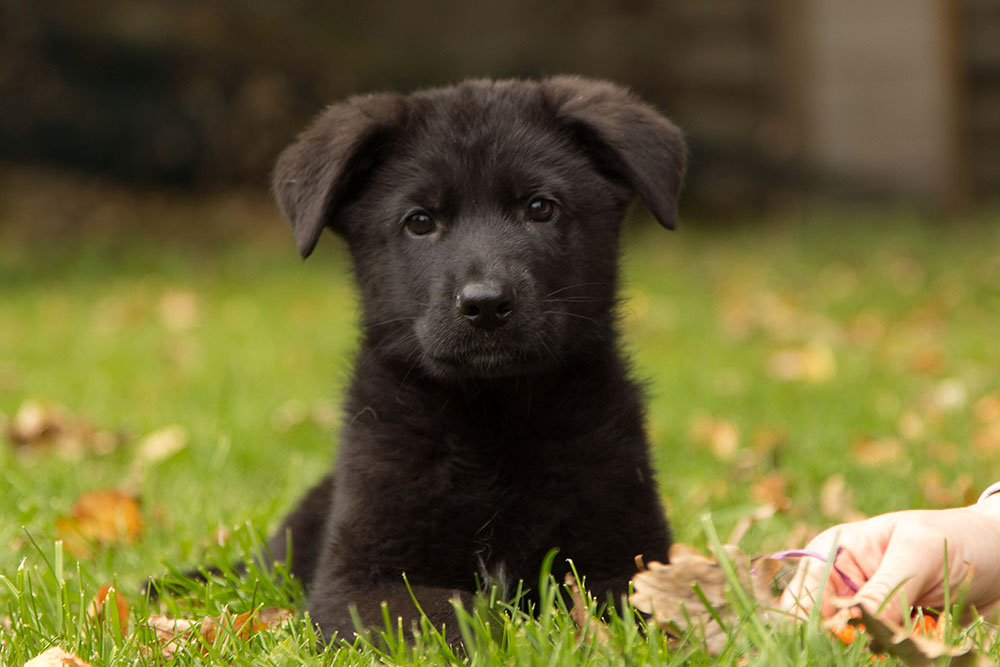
(828, 365)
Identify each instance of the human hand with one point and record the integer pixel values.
(905, 550)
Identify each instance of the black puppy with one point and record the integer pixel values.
(490, 417)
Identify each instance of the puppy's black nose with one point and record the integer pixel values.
(485, 305)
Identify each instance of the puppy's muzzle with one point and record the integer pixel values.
(485, 305)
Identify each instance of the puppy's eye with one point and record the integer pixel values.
(420, 223)
(541, 210)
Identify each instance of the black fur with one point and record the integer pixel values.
(490, 417)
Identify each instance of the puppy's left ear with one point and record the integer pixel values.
(640, 145)
(319, 173)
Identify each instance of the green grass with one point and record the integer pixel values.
(906, 307)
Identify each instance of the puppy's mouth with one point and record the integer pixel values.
(496, 363)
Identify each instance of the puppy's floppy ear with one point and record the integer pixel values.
(640, 145)
(319, 173)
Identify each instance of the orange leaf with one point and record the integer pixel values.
(96, 607)
(100, 517)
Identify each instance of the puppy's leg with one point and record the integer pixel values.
(330, 606)
(305, 526)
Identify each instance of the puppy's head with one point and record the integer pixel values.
(483, 218)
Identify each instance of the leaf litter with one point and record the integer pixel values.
(100, 518)
(693, 596)
(38, 426)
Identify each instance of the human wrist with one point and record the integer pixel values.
(989, 501)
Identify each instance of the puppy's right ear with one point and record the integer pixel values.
(322, 170)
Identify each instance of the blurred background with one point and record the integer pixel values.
(815, 336)
(782, 99)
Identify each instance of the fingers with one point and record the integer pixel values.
(903, 576)
(810, 579)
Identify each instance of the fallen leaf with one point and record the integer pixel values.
(289, 414)
(927, 360)
(179, 310)
(157, 446)
(275, 617)
(171, 633)
(721, 436)
(240, 624)
(771, 489)
(912, 648)
(836, 501)
(33, 423)
(56, 657)
(102, 518)
(946, 396)
(986, 438)
(867, 329)
(943, 452)
(911, 426)
(987, 409)
(587, 625)
(814, 362)
(96, 607)
(174, 633)
(161, 444)
(676, 594)
(876, 451)
(37, 425)
(961, 492)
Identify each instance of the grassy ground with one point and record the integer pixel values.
(838, 365)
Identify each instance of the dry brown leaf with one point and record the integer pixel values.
(56, 657)
(960, 492)
(289, 414)
(37, 425)
(588, 626)
(161, 444)
(876, 451)
(771, 489)
(157, 446)
(946, 396)
(836, 500)
(670, 592)
(34, 423)
(913, 650)
(174, 633)
(275, 617)
(100, 517)
(180, 310)
(986, 438)
(868, 328)
(943, 451)
(96, 607)
(928, 360)
(911, 426)
(813, 362)
(987, 409)
(721, 436)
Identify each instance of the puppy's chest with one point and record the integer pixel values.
(517, 506)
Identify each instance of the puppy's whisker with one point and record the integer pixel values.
(392, 321)
(569, 314)
(576, 286)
